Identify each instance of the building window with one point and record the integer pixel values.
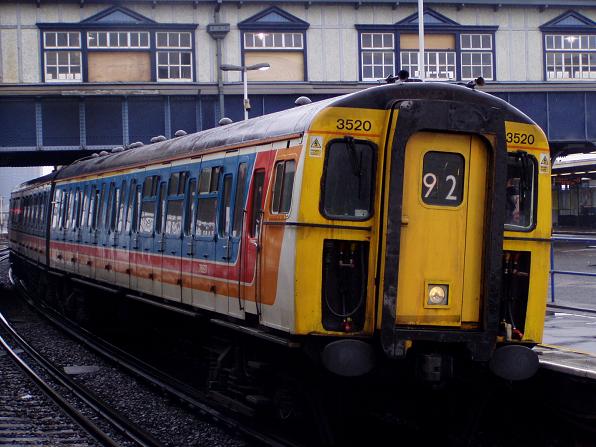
(378, 55)
(117, 39)
(278, 38)
(476, 56)
(61, 63)
(62, 39)
(173, 65)
(273, 41)
(570, 56)
(438, 64)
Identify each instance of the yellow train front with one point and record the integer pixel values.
(424, 222)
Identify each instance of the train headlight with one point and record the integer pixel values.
(438, 295)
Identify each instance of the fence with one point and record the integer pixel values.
(571, 239)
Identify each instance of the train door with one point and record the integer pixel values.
(82, 197)
(237, 259)
(105, 268)
(205, 267)
(119, 236)
(159, 239)
(97, 228)
(85, 251)
(188, 242)
(171, 266)
(223, 245)
(146, 234)
(132, 228)
(440, 268)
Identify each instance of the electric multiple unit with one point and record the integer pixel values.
(412, 217)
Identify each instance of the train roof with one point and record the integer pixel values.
(277, 125)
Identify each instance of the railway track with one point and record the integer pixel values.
(127, 430)
(195, 399)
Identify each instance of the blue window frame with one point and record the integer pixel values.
(162, 52)
(569, 48)
(453, 51)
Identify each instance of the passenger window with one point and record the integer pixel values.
(347, 186)
(190, 205)
(131, 204)
(163, 198)
(100, 207)
(239, 201)
(84, 208)
(284, 184)
(121, 207)
(256, 208)
(149, 203)
(225, 212)
(207, 203)
(109, 223)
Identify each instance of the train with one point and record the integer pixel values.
(406, 220)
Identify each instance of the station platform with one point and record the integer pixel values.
(569, 343)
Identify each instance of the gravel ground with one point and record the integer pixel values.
(169, 422)
(28, 417)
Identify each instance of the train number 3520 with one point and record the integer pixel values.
(520, 138)
(347, 124)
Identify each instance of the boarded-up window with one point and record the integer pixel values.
(285, 65)
(431, 41)
(119, 67)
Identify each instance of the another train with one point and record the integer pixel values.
(409, 219)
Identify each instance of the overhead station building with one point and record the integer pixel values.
(85, 75)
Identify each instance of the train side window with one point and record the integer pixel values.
(225, 211)
(175, 205)
(137, 209)
(239, 200)
(256, 208)
(207, 203)
(76, 218)
(149, 204)
(348, 178)
(161, 217)
(521, 190)
(55, 208)
(190, 206)
(83, 209)
(109, 222)
(93, 207)
(66, 210)
(283, 186)
(121, 208)
(99, 215)
(130, 205)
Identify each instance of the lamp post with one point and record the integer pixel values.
(244, 69)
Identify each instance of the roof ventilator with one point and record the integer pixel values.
(302, 100)
(224, 121)
(180, 133)
(158, 138)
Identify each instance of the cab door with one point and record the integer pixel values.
(441, 240)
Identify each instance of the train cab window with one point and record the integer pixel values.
(348, 178)
(207, 203)
(256, 207)
(239, 201)
(283, 186)
(149, 204)
(520, 192)
(190, 205)
(225, 211)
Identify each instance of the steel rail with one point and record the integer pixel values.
(124, 426)
(79, 419)
(172, 386)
